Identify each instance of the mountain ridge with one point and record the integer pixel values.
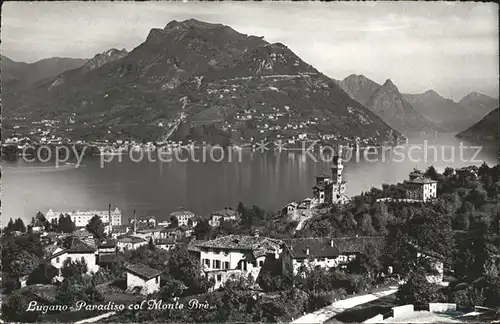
(193, 73)
(387, 102)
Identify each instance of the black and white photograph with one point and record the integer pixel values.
(250, 161)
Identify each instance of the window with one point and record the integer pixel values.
(219, 278)
(157, 280)
(207, 262)
(216, 264)
(57, 259)
(226, 265)
(261, 263)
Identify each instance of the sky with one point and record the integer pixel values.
(451, 48)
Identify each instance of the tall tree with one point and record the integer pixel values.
(96, 227)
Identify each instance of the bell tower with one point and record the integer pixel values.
(337, 167)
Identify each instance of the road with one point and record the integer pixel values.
(324, 314)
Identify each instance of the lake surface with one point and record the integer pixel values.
(269, 179)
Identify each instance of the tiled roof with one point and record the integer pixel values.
(78, 246)
(164, 241)
(421, 180)
(142, 271)
(131, 239)
(226, 212)
(107, 258)
(182, 213)
(323, 247)
(49, 249)
(119, 229)
(241, 242)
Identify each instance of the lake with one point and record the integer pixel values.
(268, 179)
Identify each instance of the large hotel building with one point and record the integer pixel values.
(82, 218)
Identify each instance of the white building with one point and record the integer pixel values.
(183, 217)
(238, 255)
(420, 188)
(328, 252)
(82, 218)
(77, 250)
(142, 278)
(130, 243)
(226, 214)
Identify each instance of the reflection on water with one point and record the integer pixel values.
(269, 180)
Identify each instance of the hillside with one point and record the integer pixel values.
(388, 103)
(449, 115)
(486, 129)
(191, 78)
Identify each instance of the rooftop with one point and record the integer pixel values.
(142, 271)
(323, 247)
(242, 242)
(131, 239)
(421, 180)
(182, 213)
(226, 212)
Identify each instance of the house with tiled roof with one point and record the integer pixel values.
(142, 278)
(329, 252)
(226, 214)
(239, 255)
(165, 244)
(74, 249)
(130, 243)
(419, 187)
(183, 217)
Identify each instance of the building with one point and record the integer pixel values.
(82, 218)
(75, 250)
(142, 278)
(119, 230)
(106, 252)
(165, 244)
(420, 187)
(148, 220)
(183, 217)
(328, 252)
(130, 243)
(226, 214)
(331, 190)
(238, 255)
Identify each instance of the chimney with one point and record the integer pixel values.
(110, 227)
(307, 251)
(331, 243)
(135, 223)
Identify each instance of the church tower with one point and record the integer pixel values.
(339, 185)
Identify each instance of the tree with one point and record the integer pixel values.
(74, 269)
(418, 291)
(432, 173)
(65, 224)
(96, 227)
(186, 268)
(43, 274)
(202, 229)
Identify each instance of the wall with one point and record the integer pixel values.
(442, 307)
(233, 257)
(402, 311)
(375, 319)
(148, 287)
(90, 259)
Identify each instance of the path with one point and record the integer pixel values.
(96, 318)
(324, 314)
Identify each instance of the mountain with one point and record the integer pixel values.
(487, 128)
(198, 80)
(447, 114)
(26, 73)
(478, 104)
(388, 103)
(100, 59)
(450, 115)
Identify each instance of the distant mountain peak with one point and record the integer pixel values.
(100, 59)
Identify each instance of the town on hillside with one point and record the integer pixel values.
(413, 240)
